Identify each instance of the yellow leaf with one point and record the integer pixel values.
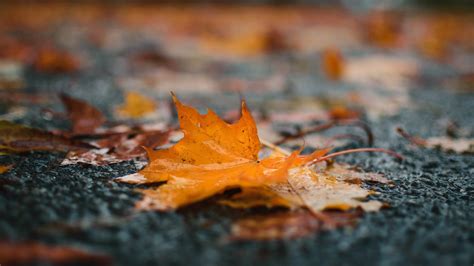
(136, 106)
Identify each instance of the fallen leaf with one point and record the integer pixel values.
(117, 148)
(4, 168)
(447, 144)
(29, 253)
(320, 191)
(92, 157)
(289, 225)
(84, 117)
(212, 156)
(136, 106)
(56, 61)
(333, 63)
(341, 112)
(18, 138)
(382, 29)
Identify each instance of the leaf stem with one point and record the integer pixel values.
(335, 154)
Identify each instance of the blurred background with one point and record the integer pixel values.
(365, 55)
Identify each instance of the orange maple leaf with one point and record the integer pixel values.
(212, 156)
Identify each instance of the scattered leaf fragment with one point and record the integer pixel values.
(447, 144)
(117, 148)
(461, 145)
(29, 253)
(18, 138)
(55, 61)
(85, 118)
(333, 64)
(341, 112)
(4, 168)
(136, 106)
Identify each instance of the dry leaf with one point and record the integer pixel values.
(4, 168)
(117, 148)
(84, 117)
(383, 29)
(320, 191)
(447, 144)
(55, 61)
(213, 156)
(18, 138)
(341, 112)
(33, 253)
(289, 225)
(136, 106)
(93, 157)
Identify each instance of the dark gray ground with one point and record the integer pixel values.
(430, 221)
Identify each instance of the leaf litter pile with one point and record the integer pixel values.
(316, 87)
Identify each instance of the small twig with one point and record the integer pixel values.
(303, 133)
(335, 154)
(415, 140)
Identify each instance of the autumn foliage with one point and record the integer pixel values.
(214, 156)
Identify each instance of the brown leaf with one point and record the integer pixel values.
(117, 148)
(27, 253)
(289, 225)
(18, 138)
(84, 117)
(55, 61)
